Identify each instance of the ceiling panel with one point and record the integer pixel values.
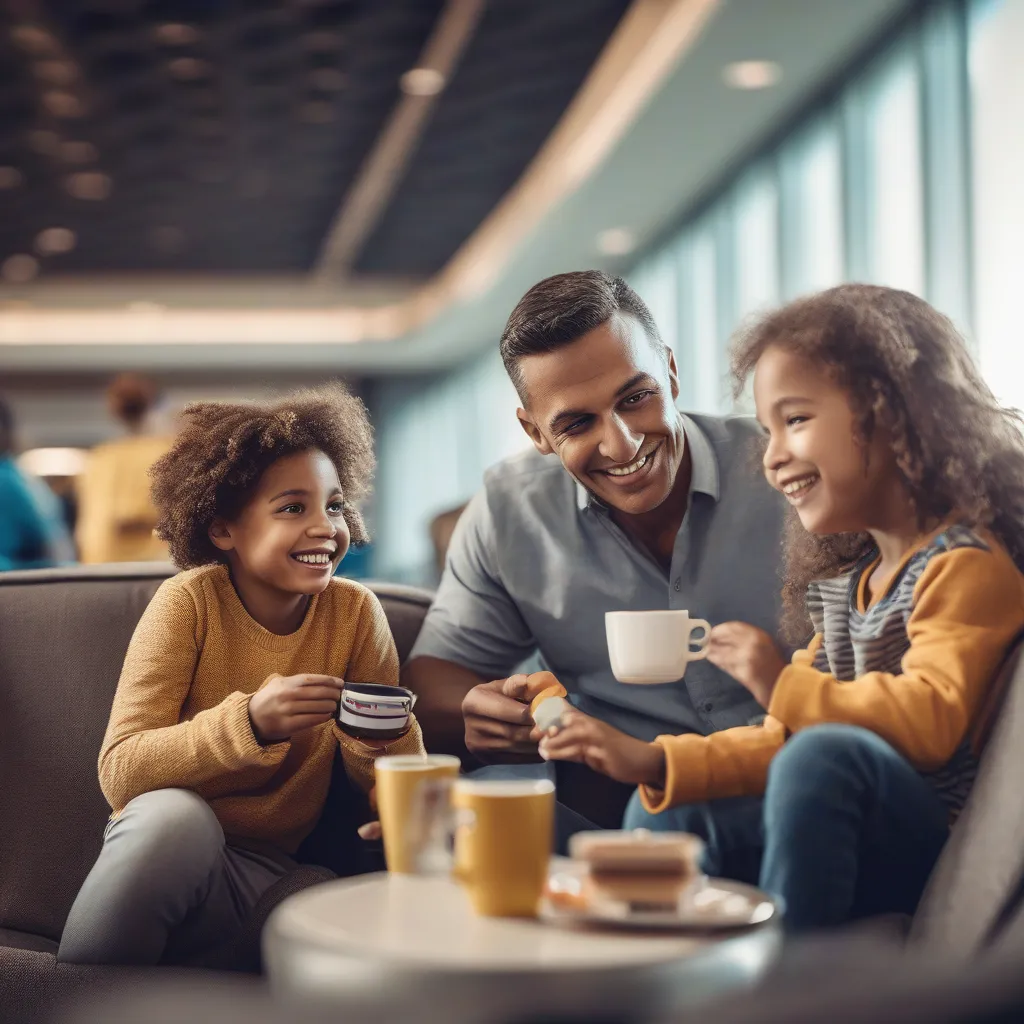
(523, 67)
(222, 135)
(193, 134)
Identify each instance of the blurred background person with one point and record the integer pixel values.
(116, 517)
(442, 526)
(32, 531)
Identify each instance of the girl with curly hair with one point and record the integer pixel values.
(218, 757)
(905, 480)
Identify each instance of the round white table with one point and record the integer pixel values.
(412, 947)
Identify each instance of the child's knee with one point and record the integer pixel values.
(637, 816)
(685, 818)
(170, 825)
(825, 762)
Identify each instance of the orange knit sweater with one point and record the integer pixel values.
(181, 713)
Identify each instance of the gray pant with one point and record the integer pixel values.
(166, 887)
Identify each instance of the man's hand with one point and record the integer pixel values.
(371, 830)
(285, 705)
(606, 750)
(749, 655)
(498, 722)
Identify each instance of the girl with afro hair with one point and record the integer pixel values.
(218, 757)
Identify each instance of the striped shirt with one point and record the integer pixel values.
(855, 642)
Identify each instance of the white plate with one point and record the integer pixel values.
(709, 904)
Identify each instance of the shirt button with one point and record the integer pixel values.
(708, 707)
(676, 586)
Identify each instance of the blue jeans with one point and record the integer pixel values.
(846, 829)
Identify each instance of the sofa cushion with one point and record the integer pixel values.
(63, 636)
(26, 940)
(983, 862)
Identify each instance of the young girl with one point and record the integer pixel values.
(906, 484)
(218, 755)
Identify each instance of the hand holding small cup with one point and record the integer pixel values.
(578, 737)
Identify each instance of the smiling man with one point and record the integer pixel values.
(625, 503)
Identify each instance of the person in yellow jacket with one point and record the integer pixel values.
(218, 756)
(906, 484)
(116, 517)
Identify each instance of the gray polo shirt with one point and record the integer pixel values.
(535, 562)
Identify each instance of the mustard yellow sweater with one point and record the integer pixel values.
(181, 713)
(958, 600)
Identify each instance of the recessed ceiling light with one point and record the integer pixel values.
(422, 82)
(328, 79)
(61, 103)
(175, 34)
(33, 39)
(20, 268)
(751, 74)
(78, 152)
(88, 185)
(616, 241)
(10, 177)
(188, 69)
(317, 113)
(54, 241)
(167, 239)
(322, 41)
(56, 72)
(42, 140)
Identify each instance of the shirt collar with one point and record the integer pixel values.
(704, 475)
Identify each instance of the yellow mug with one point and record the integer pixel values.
(503, 842)
(401, 803)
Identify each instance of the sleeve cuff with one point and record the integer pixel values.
(792, 690)
(359, 757)
(685, 775)
(243, 740)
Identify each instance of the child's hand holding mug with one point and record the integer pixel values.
(749, 655)
(285, 705)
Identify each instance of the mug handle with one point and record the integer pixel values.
(701, 642)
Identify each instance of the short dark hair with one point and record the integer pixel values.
(559, 310)
(130, 396)
(223, 449)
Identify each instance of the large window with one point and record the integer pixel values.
(894, 183)
(997, 89)
(810, 172)
(872, 186)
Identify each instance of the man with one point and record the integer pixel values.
(649, 508)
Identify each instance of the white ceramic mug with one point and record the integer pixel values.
(654, 646)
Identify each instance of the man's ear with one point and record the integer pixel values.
(533, 432)
(673, 372)
(220, 535)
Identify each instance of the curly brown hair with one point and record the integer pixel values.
(906, 369)
(223, 449)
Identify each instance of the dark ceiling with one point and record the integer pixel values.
(222, 135)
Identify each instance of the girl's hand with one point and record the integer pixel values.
(285, 705)
(749, 655)
(606, 750)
